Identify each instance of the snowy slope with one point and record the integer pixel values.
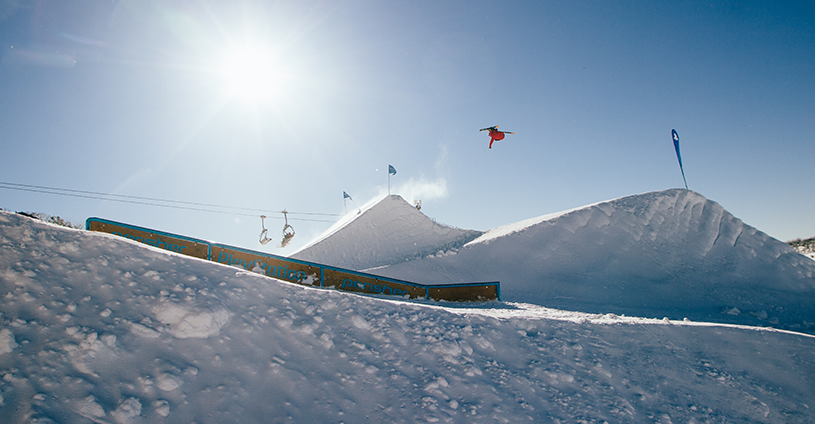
(95, 328)
(670, 253)
(385, 232)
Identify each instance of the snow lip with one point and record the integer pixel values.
(519, 226)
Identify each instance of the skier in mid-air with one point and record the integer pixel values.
(495, 135)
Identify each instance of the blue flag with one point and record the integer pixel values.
(675, 137)
(391, 170)
(346, 196)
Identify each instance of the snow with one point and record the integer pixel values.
(384, 232)
(517, 227)
(98, 328)
(670, 253)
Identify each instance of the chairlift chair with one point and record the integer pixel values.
(262, 238)
(288, 231)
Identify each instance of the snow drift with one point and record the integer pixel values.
(670, 253)
(97, 328)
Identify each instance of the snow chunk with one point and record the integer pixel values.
(360, 322)
(186, 321)
(127, 411)
(168, 382)
(143, 331)
(7, 342)
(162, 408)
(90, 408)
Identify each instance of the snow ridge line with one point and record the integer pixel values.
(523, 310)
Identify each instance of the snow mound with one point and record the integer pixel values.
(669, 253)
(508, 229)
(386, 232)
(85, 338)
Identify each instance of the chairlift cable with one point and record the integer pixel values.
(174, 204)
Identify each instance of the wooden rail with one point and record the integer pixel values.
(301, 272)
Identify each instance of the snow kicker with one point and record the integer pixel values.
(297, 271)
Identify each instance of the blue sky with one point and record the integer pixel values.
(285, 105)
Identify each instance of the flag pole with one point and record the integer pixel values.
(391, 170)
(345, 196)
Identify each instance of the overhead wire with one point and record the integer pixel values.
(174, 204)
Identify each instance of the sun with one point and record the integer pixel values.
(250, 73)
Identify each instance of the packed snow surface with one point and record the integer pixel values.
(382, 233)
(670, 253)
(99, 329)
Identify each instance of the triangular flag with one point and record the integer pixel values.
(675, 137)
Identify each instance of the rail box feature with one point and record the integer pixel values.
(466, 292)
(366, 283)
(296, 271)
(171, 242)
(262, 263)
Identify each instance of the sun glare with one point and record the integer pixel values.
(249, 73)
